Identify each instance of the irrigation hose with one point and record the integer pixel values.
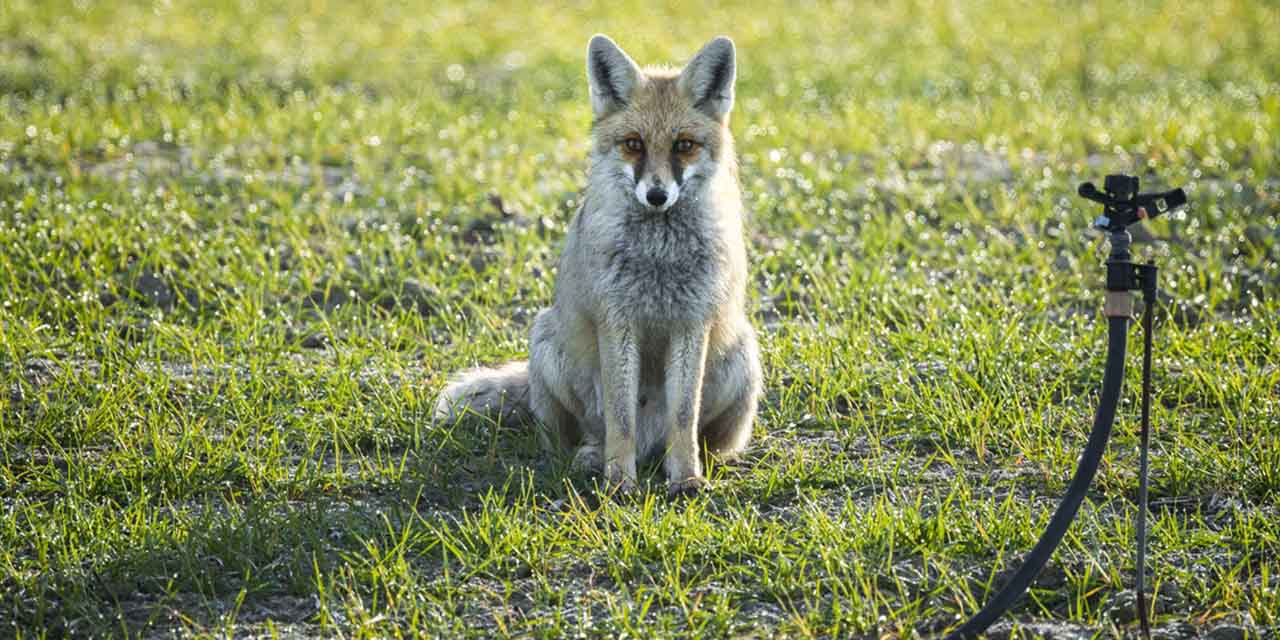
(1112, 380)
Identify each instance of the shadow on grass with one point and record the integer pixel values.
(224, 558)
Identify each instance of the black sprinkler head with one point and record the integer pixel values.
(1123, 205)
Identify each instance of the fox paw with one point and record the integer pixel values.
(687, 487)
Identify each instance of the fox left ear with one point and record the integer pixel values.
(708, 78)
(611, 74)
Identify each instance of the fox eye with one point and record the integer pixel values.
(684, 145)
(633, 144)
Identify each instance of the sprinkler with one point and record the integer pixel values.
(1123, 206)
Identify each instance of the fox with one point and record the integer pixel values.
(646, 350)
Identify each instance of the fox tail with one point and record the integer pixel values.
(500, 394)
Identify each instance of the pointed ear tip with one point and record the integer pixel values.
(599, 40)
(723, 41)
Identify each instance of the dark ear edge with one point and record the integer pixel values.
(709, 77)
(611, 75)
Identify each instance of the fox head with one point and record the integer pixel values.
(660, 134)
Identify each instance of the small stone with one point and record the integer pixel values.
(315, 341)
(1229, 632)
(189, 296)
(1174, 631)
(133, 332)
(479, 232)
(423, 297)
(1049, 630)
(1258, 235)
(386, 301)
(327, 298)
(1122, 609)
(154, 291)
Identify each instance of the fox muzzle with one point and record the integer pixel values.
(657, 196)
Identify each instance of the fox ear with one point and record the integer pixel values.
(611, 74)
(708, 78)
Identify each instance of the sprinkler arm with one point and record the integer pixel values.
(1123, 205)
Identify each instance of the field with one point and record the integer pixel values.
(244, 243)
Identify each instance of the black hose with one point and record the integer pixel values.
(1112, 379)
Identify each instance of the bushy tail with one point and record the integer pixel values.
(500, 394)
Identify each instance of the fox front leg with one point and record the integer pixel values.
(686, 363)
(620, 381)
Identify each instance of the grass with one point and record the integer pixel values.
(244, 244)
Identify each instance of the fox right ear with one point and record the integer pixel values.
(611, 74)
(709, 76)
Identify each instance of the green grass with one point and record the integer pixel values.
(244, 243)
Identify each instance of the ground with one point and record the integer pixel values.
(245, 243)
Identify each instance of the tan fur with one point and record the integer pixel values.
(647, 350)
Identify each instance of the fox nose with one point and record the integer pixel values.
(656, 196)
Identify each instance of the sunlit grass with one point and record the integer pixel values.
(242, 244)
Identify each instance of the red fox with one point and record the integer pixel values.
(646, 350)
